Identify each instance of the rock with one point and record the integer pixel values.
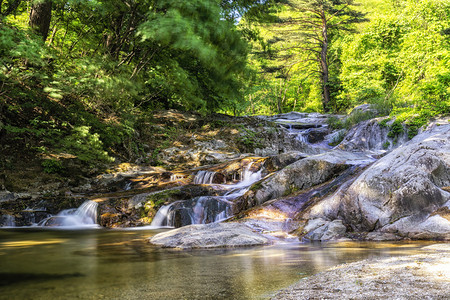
(416, 227)
(420, 276)
(213, 235)
(382, 236)
(399, 193)
(277, 162)
(7, 196)
(372, 135)
(322, 230)
(368, 109)
(300, 175)
(316, 135)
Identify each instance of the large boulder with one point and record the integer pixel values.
(375, 135)
(213, 235)
(300, 175)
(403, 193)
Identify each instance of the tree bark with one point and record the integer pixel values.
(324, 65)
(40, 17)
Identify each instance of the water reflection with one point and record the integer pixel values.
(97, 264)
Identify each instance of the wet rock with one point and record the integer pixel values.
(301, 175)
(316, 135)
(373, 135)
(7, 220)
(7, 196)
(399, 193)
(322, 230)
(382, 236)
(277, 162)
(367, 109)
(213, 235)
(171, 195)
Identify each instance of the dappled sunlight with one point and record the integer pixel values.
(262, 213)
(439, 271)
(30, 243)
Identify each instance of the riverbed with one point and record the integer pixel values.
(38, 263)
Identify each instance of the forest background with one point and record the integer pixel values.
(82, 78)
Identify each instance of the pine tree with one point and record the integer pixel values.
(316, 21)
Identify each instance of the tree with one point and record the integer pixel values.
(40, 17)
(317, 21)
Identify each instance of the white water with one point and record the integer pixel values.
(83, 216)
(163, 217)
(206, 209)
(204, 177)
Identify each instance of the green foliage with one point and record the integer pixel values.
(85, 145)
(356, 117)
(249, 140)
(395, 129)
(105, 64)
(400, 60)
(52, 166)
(338, 138)
(383, 123)
(335, 123)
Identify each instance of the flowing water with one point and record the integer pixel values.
(206, 209)
(120, 264)
(56, 260)
(83, 216)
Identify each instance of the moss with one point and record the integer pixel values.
(383, 123)
(395, 129)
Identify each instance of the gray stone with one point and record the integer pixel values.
(213, 235)
(7, 196)
(399, 193)
(416, 228)
(322, 230)
(300, 175)
(382, 236)
(370, 135)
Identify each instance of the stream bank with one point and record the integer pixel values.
(419, 276)
(278, 175)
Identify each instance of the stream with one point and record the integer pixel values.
(37, 263)
(70, 256)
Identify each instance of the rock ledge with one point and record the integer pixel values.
(213, 235)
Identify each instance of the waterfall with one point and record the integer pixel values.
(204, 177)
(87, 212)
(163, 217)
(205, 209)
(85, 215)
(199, 210)
(7, 221)
(303, 136)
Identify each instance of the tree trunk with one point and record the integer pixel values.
(324, 65)
(40, 17)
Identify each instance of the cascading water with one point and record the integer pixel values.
(204, 177)
(199, 210)
(85, 215)
(205, 209)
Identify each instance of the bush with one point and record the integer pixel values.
(52, 166)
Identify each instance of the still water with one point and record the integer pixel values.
(120, 264)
